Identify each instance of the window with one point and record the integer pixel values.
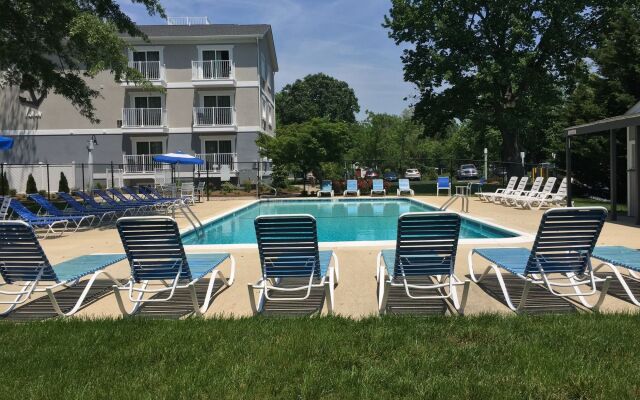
(216, 64)
(217, 146)
(147, 63)
(149, 147)
(263, 66)
(216, 101)
(147, 102)
(216, 110)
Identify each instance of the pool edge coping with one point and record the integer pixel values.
(522, 237)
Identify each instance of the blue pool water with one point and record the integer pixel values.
(345, 220)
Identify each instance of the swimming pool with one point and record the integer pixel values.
(338, 220)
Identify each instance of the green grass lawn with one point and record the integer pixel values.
(556, 357)
(584, 202)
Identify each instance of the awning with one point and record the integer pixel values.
(178, 158)
(6, 143)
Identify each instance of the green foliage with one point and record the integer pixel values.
(279, 177)
(303, 147)
(63, 185)
(316, 96)
(502, 65)
(31, 185)
(247, 185)
(4, 188)
(332, 170)
(53, 46)
(228, 187)
(572, 356)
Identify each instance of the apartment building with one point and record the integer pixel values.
(218, 95)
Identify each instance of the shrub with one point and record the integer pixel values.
(31, 185)
(431, 174)
(227, 187)
(279, 177)
(63, 185)
(42, 193)
(364, 186)
(13, 192)
(247, 185)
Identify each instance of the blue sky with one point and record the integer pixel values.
(342, 38)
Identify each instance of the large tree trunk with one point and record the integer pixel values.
(511, 153)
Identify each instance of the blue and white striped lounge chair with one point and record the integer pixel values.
(326, 187)
(426, 248)
(403, 187)
(156, 203)
(155, 253)
(288, 247)
(613, 257)
(80, 208)
(89, 200)
(488, 196)
(378, 187)
(48, 223)
(51, 210)
(443, 183)
(23, 263)
(560, 257)
(122, 199)
(352, 188)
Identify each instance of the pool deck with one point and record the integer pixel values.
(356, 294)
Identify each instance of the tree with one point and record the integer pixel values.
(31, 185)
(303, 147)
(51, 46)
(499, 64)
(63, 184)
(316, 96)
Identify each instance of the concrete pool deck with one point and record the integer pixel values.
(356, 294)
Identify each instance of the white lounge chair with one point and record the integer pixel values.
(24, 264)
(512, 198)
(326, 188)
(288, 247)
(559, 198)
(155, 253)
(560, 257)
(522, 185)
(425, 250)
(488, 196)
(403, 187)
(378, 187)
(531, 196)
(352, 188)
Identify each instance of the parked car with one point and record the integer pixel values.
(413, 174)
(390, 176)
(467, 171)
(371, 173)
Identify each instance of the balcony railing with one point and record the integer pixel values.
(187, 21)
(212, 116)
(215, 160)
(151, 70)
(143, 117)
(140, 164)
(210, 70)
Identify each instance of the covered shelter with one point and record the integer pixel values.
(630, 121)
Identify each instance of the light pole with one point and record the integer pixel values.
(486, 152)
(522, 154)
(91, 145)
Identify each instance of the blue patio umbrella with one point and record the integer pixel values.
(6, 143)
(178, 157)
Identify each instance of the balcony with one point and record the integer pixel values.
(143, 117)
(212, 116)
(213, 161)
(150, 70)
(140, 164)
(211, 70)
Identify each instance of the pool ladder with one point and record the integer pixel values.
(452, 199)
(191, 217)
